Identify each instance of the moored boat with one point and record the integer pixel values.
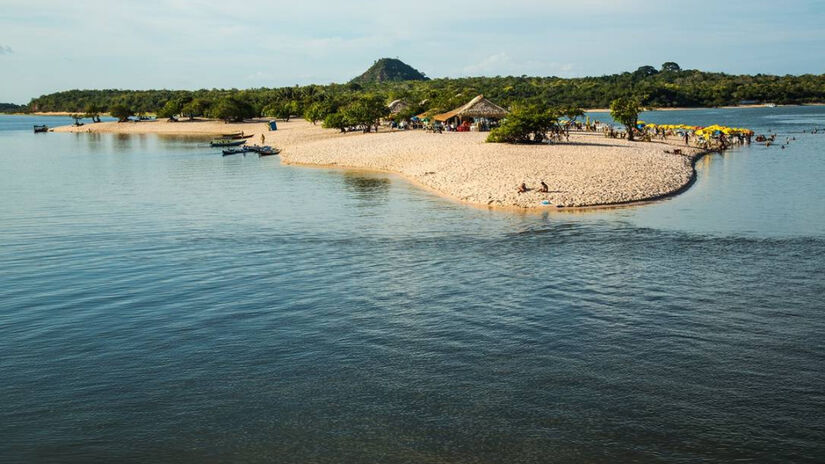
(226, 143)
(235, 151)
(40, 128)
(237, 137)
(232, 134)
(268, 151)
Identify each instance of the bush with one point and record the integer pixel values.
(528, 124)
(121, 112)
(335, 121)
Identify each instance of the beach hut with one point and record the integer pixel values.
(479, 110)
(397, 106)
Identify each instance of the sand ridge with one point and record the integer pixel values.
(589, 170)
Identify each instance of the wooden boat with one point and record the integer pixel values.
(226, 143)
(237, 137)
(235, 151)
(232, 134)
(268, 151)
(40, 128)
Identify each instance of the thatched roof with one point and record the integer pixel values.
(478, 107)
(397, 106)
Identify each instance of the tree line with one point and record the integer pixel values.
(340, 105)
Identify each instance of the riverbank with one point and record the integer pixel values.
(589, 171)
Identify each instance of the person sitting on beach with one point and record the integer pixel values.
(544, 188)
(522, 188)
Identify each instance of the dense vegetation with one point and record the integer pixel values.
(668, 86)
(389, 70)
(12, 108)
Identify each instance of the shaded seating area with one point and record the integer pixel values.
(480, 114)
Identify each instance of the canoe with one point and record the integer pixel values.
(234, 151)
(237, 137)
(232, 134)
(226, 143)
(268, 151)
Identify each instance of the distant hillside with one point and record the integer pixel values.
(389, 70)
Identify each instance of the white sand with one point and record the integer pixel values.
(591, 170)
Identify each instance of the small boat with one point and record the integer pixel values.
(235, 151)
(268, 151)
(40, 128)
(232, 134)
(237, 137)
(226, 143)
(770, 105)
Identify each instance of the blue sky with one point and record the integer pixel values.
(46, 46)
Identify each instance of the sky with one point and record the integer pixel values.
(48, 46)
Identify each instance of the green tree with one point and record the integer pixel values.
(232, 109)
(366, 111)
(335, 121)
(282, 109)
(626, 111)
(196, 107)
(121, 112)
(526, 124)
(92, 111)
(171, 109)
(670, 66)
(316, 112)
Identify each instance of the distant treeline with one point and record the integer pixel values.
(12, 108)
(668, 86)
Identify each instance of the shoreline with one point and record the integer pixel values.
(588, 172)
(688, 108)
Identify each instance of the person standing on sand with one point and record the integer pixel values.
(686, 138)
(262, 139)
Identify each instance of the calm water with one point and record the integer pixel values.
(162, 303)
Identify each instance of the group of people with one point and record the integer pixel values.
(543, 189)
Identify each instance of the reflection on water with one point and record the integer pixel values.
(161, 302)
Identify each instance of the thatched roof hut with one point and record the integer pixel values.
(478, 107)
(397, 106)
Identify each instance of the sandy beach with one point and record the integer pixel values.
(590, 170)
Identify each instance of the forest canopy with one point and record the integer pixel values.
(667, 86)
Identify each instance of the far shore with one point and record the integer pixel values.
(588, 171)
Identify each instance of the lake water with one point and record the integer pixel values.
(160, 302)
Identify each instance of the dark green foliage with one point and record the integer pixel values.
(626, 111)
(121, 112)
(12, 108)
(668, 88)
(232, 109)
(335, 121)
(196, 107)
(172, 108)
(92, 111)
(389, 70)
(526, 124)
(365, 111)
(670, 66)
(282, 109)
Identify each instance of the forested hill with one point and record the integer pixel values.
(668, 86)
(389, 70)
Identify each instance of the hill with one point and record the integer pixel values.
(389, 70)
